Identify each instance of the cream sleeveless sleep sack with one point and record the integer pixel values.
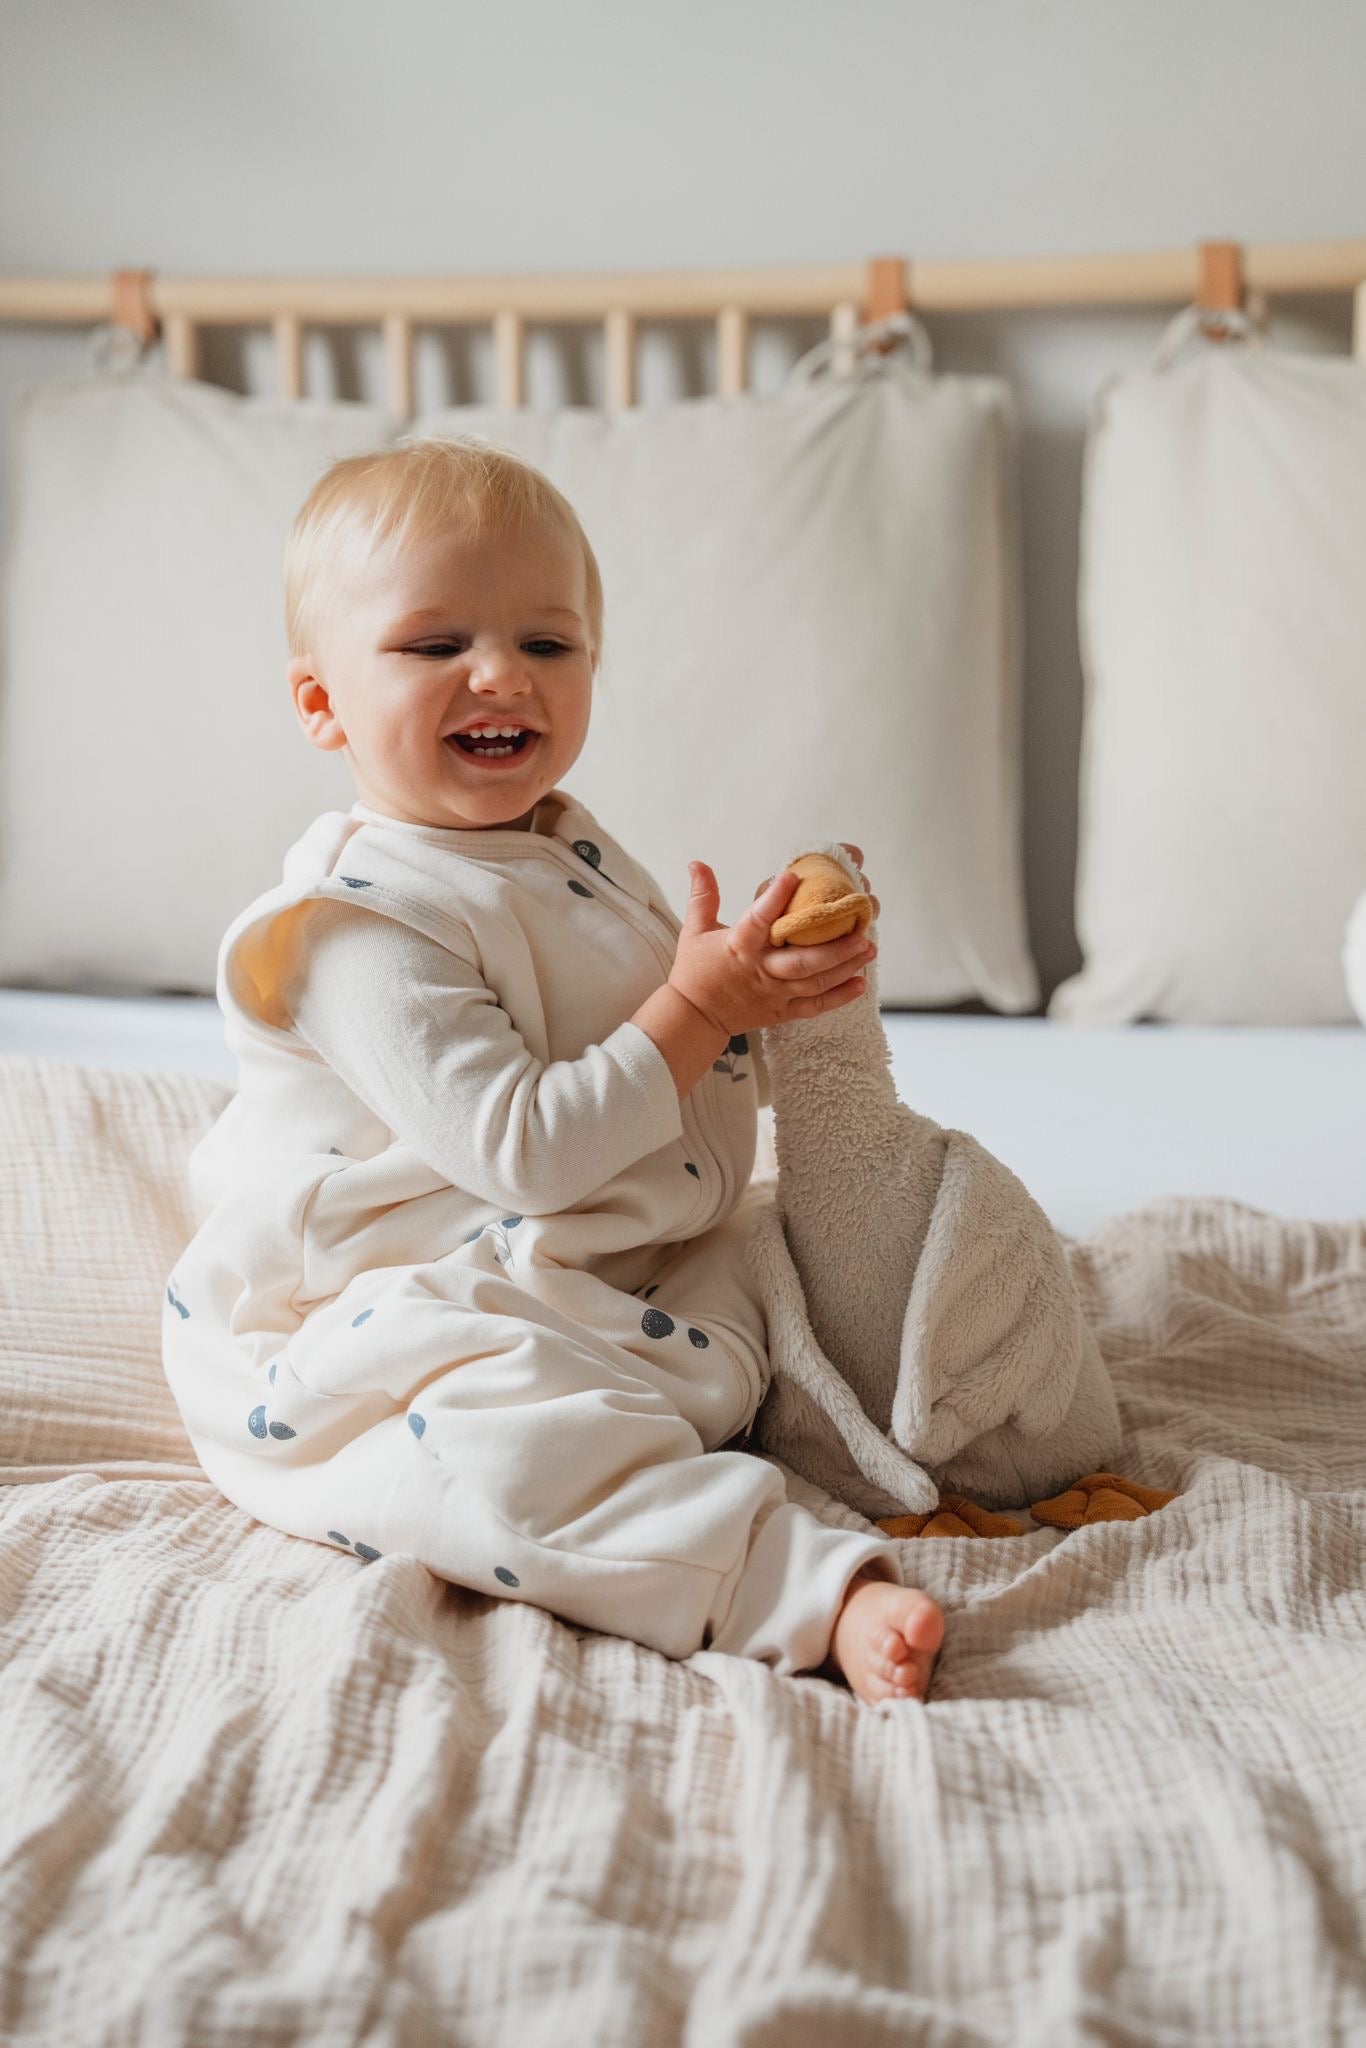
(469, 1281)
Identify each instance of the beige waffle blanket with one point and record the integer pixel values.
(258, 1792)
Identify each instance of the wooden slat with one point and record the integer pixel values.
(398, 364)
(289, 354)
(732, 351)
(476, 300)
(1137, 276)
(620, 330)
(56, 301)
(509, 359)
(844, 318)
(181, 336)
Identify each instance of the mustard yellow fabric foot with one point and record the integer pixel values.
(1100, 1497)
(954, 1516)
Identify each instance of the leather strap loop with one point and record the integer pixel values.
(887, 292)
(131, 305)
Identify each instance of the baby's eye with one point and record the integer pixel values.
(444, 647)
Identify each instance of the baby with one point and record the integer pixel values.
(469, 1278)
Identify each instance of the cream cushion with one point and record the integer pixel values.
(813, 627)
(152, 770)
(1222, 611)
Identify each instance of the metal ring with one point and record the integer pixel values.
(117, 348)
(917, 354)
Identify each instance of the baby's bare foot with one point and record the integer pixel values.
(886, 1639)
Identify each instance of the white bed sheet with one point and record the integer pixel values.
(1094, 1121)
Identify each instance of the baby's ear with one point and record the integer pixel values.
(313, 705)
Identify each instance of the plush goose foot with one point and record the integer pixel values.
(885, 1640)
(954, 1516)
(1100, 1497)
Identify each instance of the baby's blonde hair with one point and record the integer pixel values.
(465, 484)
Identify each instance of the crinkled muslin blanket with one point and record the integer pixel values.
(261, 1794)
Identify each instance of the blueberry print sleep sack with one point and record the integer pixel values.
(468, 1280)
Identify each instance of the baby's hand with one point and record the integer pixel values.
(739, 982)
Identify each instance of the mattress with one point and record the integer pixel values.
(1095, 1121)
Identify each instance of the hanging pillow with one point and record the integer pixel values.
(1222, 611)
(813, 630)
(152, 770)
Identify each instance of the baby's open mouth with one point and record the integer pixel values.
(492, 742)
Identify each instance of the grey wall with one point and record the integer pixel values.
(440, 135)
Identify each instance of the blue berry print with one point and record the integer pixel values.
(418, 1425)
(579, 890)
(500, 1571)
(257, 1424)
(655, 1323)
(587, 851)
(364, 1550)
(335, 1536)
(502, 1250)
(170, 1296)
(273, 1370)
(693, 1170)
(352, 882)
(356, 1321)
(729, 1060)
(649, 1291)
(699, 1338)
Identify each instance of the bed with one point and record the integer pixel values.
(258, 1792)
(1094, 1122)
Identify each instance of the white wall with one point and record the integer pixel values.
(275, 135)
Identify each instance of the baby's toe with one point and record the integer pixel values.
(922, 1624)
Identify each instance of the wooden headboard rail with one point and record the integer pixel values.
(1214, 275)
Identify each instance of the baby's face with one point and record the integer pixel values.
(447, 635)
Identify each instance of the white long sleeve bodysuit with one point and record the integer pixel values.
(469, 1280)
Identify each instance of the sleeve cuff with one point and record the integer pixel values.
(640, 1059)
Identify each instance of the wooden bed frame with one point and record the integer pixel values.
(1218, 277)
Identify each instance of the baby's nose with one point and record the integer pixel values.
(501, 673)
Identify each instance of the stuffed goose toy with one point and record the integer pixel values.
(930, 1355)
